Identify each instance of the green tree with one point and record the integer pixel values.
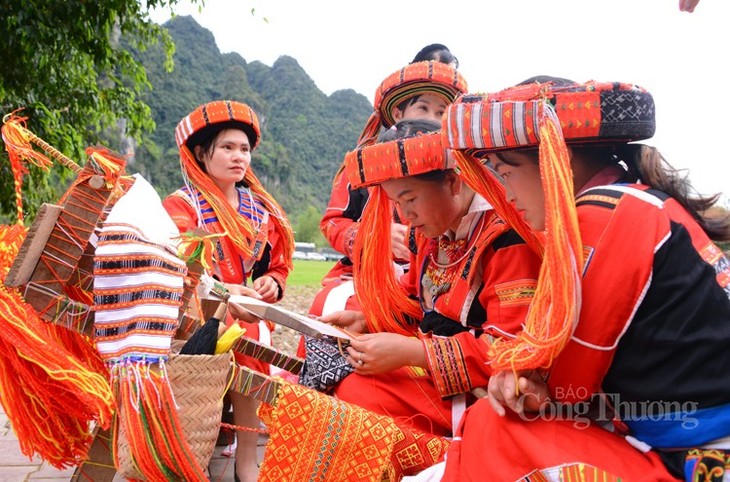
(307, 228)
(65, 66)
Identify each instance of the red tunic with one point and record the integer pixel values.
(653, 331)
(341, 218)
(489, 294)
(489, 447)
(232, 268)
(339, 224)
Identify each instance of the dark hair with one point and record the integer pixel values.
(408, 128)
(544, 79)
(408, 102)
(437, 52)
(647, 163)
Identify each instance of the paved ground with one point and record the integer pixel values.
(16, 467)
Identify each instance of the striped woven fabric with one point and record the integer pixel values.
(217, 112)
(427, 77)
(395, 159)
(138, 289)
(588, 112)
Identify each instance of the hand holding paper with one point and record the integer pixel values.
(295, 321)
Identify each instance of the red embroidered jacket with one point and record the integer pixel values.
(232, 268)
(490, 295)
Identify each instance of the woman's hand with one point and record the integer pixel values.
(267, 288)
(399, 241)
(533, 392)
(352, 321)
(237, 311)
(374, 353)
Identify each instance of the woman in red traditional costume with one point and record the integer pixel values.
(420, 90)
(639, 387)
(254, 243)
(423, 337)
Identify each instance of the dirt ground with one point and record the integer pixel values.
(297, 299)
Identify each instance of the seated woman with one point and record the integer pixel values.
(423, 338)
(640, 389)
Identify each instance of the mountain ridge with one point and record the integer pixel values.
(305, 133)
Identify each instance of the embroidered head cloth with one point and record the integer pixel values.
(419, 78)
(385, 304)
(592, 112)
(370, 165)
(202, 124)
(209, 119)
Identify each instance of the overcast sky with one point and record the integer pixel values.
(346, 44)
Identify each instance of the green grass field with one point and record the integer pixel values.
(308, 272)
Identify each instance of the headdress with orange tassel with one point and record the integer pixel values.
(385, 304)
(419, 78)
(200, 124)
(544, 113)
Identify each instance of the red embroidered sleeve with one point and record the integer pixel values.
(338, 229)
(459, 363)
(277, 266)
(181, 212)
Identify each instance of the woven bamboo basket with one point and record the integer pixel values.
(199, 384)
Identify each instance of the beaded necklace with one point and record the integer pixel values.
(440, 275)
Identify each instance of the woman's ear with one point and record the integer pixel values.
(455, 183)
(198, 151)
(200, 157)
(396, 113)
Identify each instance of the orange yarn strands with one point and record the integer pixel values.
(11, 238)
(556, 306)
(19, 138)
(478, 177)
(385, 304)
(197, 246)
(237, 227)
(152, 426)
(277, 213)
(17, 143)
(48, 394)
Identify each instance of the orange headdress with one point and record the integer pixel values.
(201, 124)
(419, 78)
(544, 114)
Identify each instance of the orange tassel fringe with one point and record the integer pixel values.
(152, 426)
(385, 304)
(555, 309)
